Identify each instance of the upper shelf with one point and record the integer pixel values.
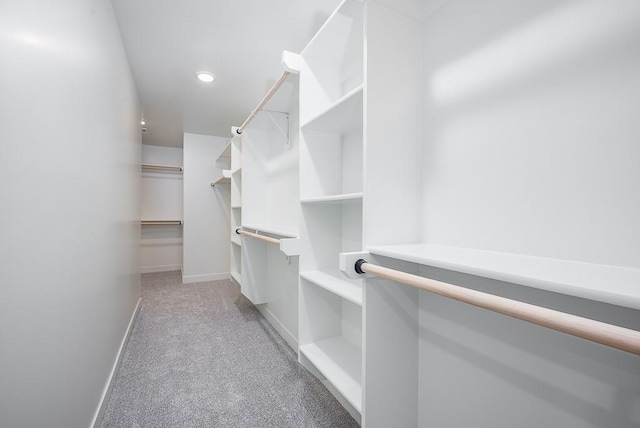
(333, 199)
(610, 284)
(333, 59)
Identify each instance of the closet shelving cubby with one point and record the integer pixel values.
(333, 144)
(331, 186)
(235, 176)
(334, 60)
(331, 337)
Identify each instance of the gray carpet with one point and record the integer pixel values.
(201, 355)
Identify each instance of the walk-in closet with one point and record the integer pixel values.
(376, 213)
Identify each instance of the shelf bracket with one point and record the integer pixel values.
(290, 246)
(283, 130)
(291, 62)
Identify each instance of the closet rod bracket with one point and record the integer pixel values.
(350, 263)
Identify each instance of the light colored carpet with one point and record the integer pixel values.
(201, 355)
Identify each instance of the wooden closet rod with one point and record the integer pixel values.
(264, 101)
(595, 331)
(256, 236)
(218, 181)
(161, 222)
(162, 168)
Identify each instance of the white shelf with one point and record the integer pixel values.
(610, 284)
(346, 197)
(236, 206)
(270, 229)
(339, 361)
(235, 171)
(236, 240)
(340, 117)
(335, 282)
(236, 277)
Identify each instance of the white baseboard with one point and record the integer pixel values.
(97, 418)
(188, 279)
(280, 328)
(165, 268)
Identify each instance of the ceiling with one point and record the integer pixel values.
(239, 41)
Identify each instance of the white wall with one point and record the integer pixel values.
(530, 136)
(206, 211)
(70, 235)
(161, 199)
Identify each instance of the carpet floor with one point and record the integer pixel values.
(201, 355)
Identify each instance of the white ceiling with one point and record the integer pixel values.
(239, 41)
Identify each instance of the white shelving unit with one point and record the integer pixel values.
(270, 202)
(452, 190)
(235, 176)
(410, 161)
(331, 196)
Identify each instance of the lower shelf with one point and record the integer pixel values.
(340, 362)
(335, 282)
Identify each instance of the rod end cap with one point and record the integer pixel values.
(358, 266)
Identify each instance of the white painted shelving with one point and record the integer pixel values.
(331, 190)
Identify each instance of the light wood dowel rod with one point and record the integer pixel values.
(217, 181)
(606, 334)
(161, 222)
(264, 101)
(163, 168)
(261, 237)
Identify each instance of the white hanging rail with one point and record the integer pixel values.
(161, 222)
(264, 101)
(162, 168)
(256, 236)
(606, 334)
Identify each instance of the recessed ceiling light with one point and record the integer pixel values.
(205, 76)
